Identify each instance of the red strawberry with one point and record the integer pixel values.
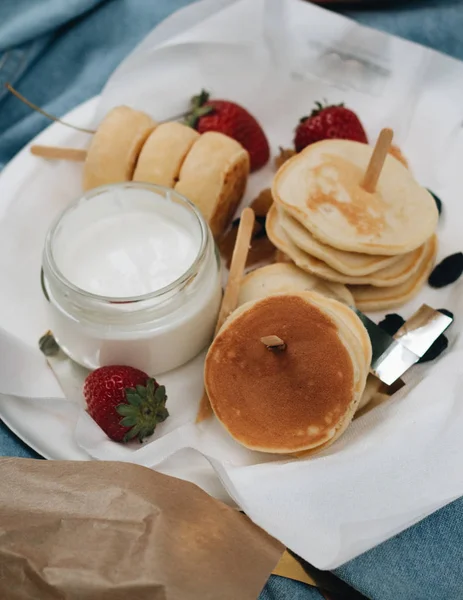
(125, 402)
(233, 120)
(327, 122)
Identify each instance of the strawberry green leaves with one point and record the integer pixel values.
(145, 408)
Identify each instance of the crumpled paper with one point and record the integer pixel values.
(88, 530)
(394, 465)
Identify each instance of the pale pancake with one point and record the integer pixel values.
(321, 188)
(349, 263)
(368, 298)
(163, 154)
(214, 176)
(284, 402)
(115, 147)
(392, 275)
(286, 277)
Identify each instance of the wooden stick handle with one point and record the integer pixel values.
(273, 341)
(232, 290)
(237, 266)
(59, 153)
(377, 159)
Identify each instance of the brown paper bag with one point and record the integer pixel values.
(107, 530)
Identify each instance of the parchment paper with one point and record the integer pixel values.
(106, 530)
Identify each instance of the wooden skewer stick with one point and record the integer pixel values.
(377, 159)
(232, 290)
(59, 153)
(273, 342)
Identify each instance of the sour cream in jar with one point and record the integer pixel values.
(133, 278)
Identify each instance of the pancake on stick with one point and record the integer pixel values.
(211, 169)
(352, 215)
(286, 373)
(163, 153)
(284, 277)
(115, 147)
(353, 199)
(214, 176)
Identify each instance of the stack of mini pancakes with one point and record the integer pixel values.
(382, 245)
(211, 170)
(299, 396)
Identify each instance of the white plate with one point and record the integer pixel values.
(50, 431)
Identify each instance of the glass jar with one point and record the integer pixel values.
(132, 237)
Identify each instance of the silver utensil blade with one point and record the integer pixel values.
(393, 356)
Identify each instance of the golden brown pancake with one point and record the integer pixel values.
(291, 400)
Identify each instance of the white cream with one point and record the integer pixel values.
(128, 254)
(123, 242)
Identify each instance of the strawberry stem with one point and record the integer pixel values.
(200, 99)
(198, 109)
(145, 408)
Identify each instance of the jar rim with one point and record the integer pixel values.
(49, 263)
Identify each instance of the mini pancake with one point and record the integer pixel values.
(214, 176)
(392, 275)
(321, 188)
(348, 263)
(292, 400)
(115, 147)
(286, 277)
(163, 154)
(369, 298)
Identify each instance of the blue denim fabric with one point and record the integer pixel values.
(60, 53)
(434, 23)
(424, 562)
(11, 445)
(280, 588)
(62, 68)
(28, 20)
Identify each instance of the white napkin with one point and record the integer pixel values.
(401, 461)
